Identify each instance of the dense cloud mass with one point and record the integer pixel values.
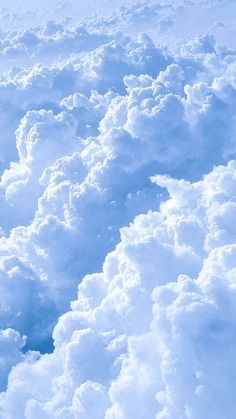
(117, 236)
(150, 335)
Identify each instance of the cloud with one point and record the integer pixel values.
(154, 330)
(41, 139)
(11, 352)
(81, 137)
(93, 152)
(50, 39)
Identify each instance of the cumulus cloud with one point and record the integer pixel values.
(50, 40)
(63, 175)
(11, 352)
(69, 161)
(152, 333)
(81, 138)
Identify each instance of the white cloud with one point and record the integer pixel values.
(152, 333)
(11, 352)
(93, 153)
(81, 137)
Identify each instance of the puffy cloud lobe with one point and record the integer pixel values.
(41, 139)
(24, 302)
(11, 352)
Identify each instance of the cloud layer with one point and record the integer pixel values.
(104, 152)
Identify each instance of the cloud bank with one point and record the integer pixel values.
(151, 334)
(106, 140)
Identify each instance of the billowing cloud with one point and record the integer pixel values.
(150, 335)
(93, 152)
(106, 140)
